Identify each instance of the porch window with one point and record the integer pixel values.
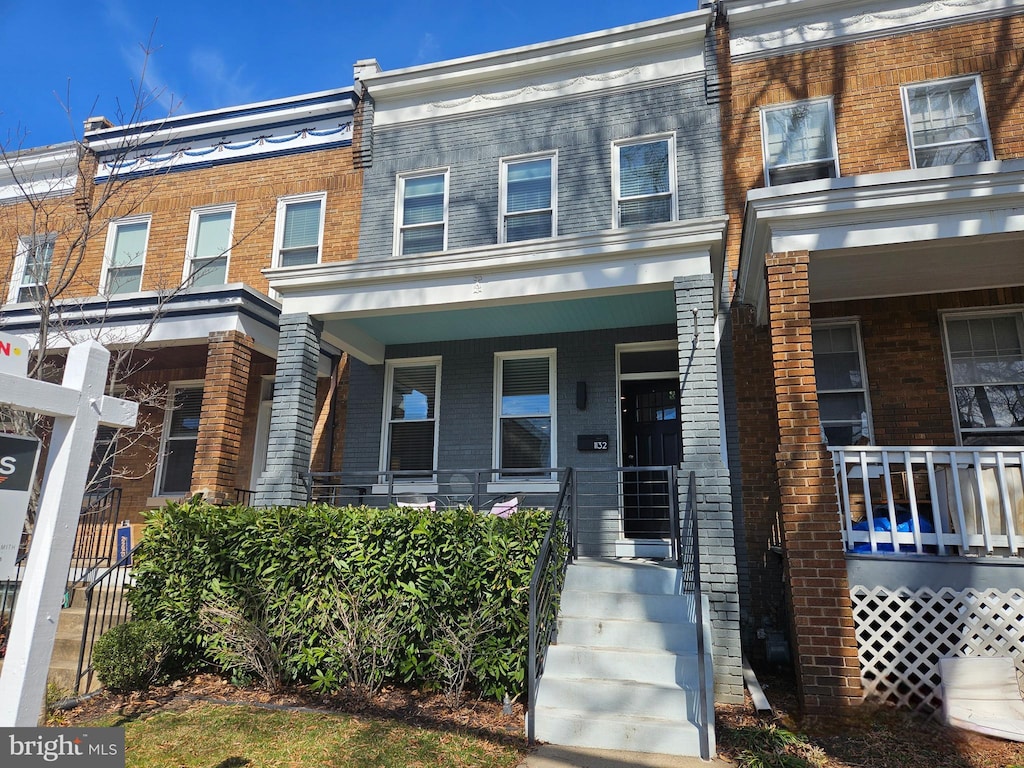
(180, 437)
(986, 370)
(645, 183)
(410, 442)
(946, 123)
(524, 410)
(799, 142)
(842, 383)
(422, 213)
(527, 199)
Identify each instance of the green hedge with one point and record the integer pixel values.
(297, 563)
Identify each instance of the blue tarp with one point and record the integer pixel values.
(904, 524)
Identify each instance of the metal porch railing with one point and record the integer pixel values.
(931, 499)
(688, 561)
(106, 605)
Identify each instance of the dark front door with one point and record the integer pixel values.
(650, 438)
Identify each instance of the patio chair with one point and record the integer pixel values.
(982, 694)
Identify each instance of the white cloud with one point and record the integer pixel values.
(427, 50)
(222, 85)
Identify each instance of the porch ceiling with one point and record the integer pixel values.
(894, 234)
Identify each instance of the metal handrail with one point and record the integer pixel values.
(543, 605)
(113, 609)
(690, 524)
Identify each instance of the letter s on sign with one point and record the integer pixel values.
(7, 465)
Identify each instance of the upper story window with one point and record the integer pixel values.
(410, 430)
(842, 383)
(524, 411)
(645, 181)
(946, 122)
(986, 372)
(799, 142)
(31, 268)
(300, 230)
(422, 213)
(125, 255)
(209, 244)
(527, 198)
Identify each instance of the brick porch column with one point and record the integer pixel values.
(701, 436)
(819, 594)
(228, 358)
(292, 416)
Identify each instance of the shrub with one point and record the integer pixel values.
(430, 569)
(132, 656)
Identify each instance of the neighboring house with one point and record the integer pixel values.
(536, 289)
(176, 220)
(874, 179)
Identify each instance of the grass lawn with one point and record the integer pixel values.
(206, 735)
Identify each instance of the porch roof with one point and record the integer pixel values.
(879, 235)
(616, 278)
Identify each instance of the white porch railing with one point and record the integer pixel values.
(931, 500)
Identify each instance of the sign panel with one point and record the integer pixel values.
(18, 455)
(591, 442)
(13, 355)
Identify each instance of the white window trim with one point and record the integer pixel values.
(1009, 309)
(282, 206)
(385, 441)
(172, 389)
(108, 251)
(848, 322)
(25, 245)
(193, 232)
(498, 482)
(400, 208)
(503, 190)
(673, 187)
(905, 99)
(764, 111)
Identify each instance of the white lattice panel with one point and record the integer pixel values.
(901, 635)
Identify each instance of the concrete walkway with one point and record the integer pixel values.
(553, 756)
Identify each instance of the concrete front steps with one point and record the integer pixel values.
(622, 673)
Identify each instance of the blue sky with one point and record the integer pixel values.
(86, 56)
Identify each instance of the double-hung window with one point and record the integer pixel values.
(31, 269)
(524, 412)
(842, 383)
(126, 255)
(946, 122)
(644, 181)
(422, 213)
(180, 437)
(410, 429)
(986, 371)
(209, 245)
(527, 198)
(300, 230)
(799, 142)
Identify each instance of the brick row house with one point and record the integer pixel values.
(774, 245)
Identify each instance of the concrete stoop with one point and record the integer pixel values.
(622, 674)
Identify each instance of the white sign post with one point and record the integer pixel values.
(78, 406)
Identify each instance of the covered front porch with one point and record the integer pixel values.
(887, 311)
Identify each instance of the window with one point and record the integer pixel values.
(410, 440)
(300, 229)
(527, 199)
(524, 411)
(644, 173)
(209, 244)
(126, 253)
(986, 371)
(31, 269)
(799, 142)
(423, 213)
(946, 123)
(180, 436)
(842, 383)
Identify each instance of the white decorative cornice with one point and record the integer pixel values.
(761, 28)
(642, 53)
(39, 173)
